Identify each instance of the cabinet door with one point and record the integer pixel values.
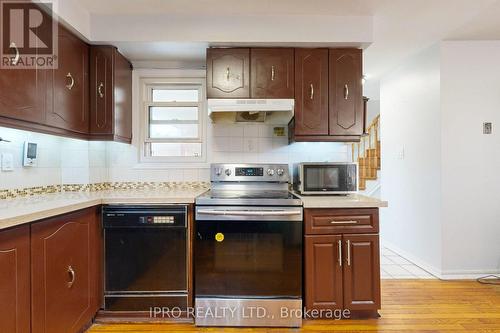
(323, 275)
(22, 94)
(361, 272)
(63, 274)
(69, 106)
(228, 73)
(311, 92)
(15, 280)
(272, 73)
(101, 93)
(123, 102)
(346, 100)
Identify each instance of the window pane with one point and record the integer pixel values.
(173, 113)
(176, 149)
(169, 131)
(175, 95)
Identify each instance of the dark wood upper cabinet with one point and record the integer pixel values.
(323, 272)
(362, 272)
(346, 92)
(68, 107)
(272, 73)
(23, 94)
(15, 279)
(64, 272)
(311, 91)
(228, 73)
(110, 95)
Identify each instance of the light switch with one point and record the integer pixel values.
(487, 128)
(7, 162)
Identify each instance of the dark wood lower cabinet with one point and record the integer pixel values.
(64, 272)
(323, 272)
(342, 270)
(362, 272)
(15, 280)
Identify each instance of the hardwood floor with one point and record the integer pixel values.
(407, 306)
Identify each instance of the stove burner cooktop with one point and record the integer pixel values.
(264, 198)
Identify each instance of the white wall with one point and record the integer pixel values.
(470, 95)
(440, 172)
(411, 173)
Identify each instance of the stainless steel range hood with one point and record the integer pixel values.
(269, 111)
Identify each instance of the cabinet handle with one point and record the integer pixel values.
(348, 252)
(99, 90)
(71, 82)
(311, 87)
(228, 73)
(343, 222)
(346, 91)
(15, 60)
(272, 73)
(339, 243)
(72, 276)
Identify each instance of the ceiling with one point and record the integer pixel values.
(401, 28)
(236, 7)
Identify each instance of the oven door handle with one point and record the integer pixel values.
(250, 212)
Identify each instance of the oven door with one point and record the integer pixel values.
(335, 178)
(250, 257)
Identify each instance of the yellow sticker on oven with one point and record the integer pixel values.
(219, 236)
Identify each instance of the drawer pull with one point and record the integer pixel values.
(343, 222)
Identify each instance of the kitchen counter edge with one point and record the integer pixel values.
(341, 201)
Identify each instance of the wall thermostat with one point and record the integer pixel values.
(30, 154)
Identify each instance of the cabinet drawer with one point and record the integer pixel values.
(338, 221)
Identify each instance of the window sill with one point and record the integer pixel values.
(171, 165)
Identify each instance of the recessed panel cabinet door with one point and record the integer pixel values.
(23, 94)
(101, 96)
(63, 273)
(69, 105)
(361, 272)
(272, 73)
(323, 275)
(311, 92)
(228, 73)
(346, 92)
(15, 280)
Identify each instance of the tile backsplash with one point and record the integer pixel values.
(60, 160)
(71, 161)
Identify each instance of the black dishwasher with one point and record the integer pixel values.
(145, 257)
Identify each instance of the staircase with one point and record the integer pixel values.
(367, 154)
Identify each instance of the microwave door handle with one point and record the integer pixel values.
(249, 212)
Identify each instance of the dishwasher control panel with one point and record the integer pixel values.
(144, 216)
(162, 219)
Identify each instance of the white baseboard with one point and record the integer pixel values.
(443, 275)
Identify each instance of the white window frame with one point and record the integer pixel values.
(146, 85)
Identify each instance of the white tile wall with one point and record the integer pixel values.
(70, 161)
(60, 160)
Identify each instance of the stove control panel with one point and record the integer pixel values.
(249, 173)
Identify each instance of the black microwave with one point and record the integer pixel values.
(325, 178)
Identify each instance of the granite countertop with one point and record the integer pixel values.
(340, 201)
(15, 212)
